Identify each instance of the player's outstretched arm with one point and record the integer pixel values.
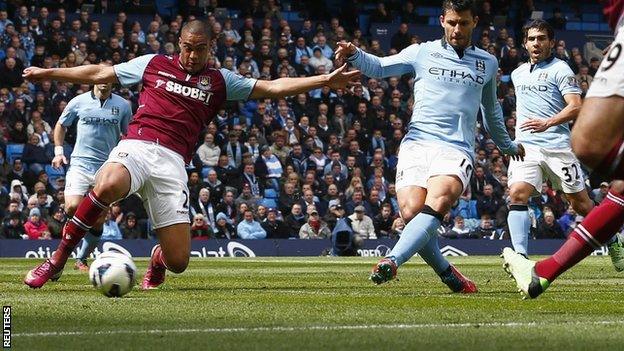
(87, 74)
(378, 67)
(569, 113)
(338, 79)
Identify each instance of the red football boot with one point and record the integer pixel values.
(457, 282)
(155, 274)
(40, 275)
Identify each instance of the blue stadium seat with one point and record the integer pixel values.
(433, 20)
(364, 21)
(590, 26)
(473, 209)
(270, 193)
(54, 173)
(14, 151)
(573, 26)
(428, 10)
(604, 27)
(269, 203)
(590, 17)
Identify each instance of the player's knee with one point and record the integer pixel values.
(442, 204)
(583, 207)
(70, 209)
(587, 151)
(112, 186)
(409, 211)
(518, 195)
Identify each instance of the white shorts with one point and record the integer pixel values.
(78, 181)
(561, 167)
(158, 175)
(609, 79)
(419, 161)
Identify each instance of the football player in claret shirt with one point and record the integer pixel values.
(180, 96)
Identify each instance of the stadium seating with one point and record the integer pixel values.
(54, 173)
(14, 151)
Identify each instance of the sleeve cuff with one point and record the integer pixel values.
(354, 56)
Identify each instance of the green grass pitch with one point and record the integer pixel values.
(317, 304)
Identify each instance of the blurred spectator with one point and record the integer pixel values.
(200, 230)
(130, 228)
(600, 193)
(488, 204)
(204, 207)
(485, 230)
(383, 221)
(548, 228)
(248, 228)
(295, 220)
(35, 155)
(314, 228)
(459, 229)
(208, 152)
(362, 224)
(381, 14)
(56, 222)
(397, 228)
(275, 229)
(558, 20)
(401, 39)
(224, 230)
(35, 227)
(110, 229)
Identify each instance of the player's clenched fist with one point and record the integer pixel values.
(344, 50)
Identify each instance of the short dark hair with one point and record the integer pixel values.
(539, 25)
(459, 6)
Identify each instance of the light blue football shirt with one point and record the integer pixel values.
(540, 91)
(448, 92)
(99, 127)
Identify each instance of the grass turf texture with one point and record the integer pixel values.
(317, 303)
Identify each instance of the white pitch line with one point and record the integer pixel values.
(314, 328)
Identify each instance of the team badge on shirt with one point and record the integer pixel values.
(543, 76)
(203, 83)
(115, 111)
(480, 64)
(572, 82)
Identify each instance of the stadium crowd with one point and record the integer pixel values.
(285, 168)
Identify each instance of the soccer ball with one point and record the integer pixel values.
(113, 274)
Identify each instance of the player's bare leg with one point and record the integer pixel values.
(172, 253)
(597, 135)
(581, 203)
(112, 184)
(421, 235)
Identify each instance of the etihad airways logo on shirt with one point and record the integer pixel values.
(186, 91)
(456, 76)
